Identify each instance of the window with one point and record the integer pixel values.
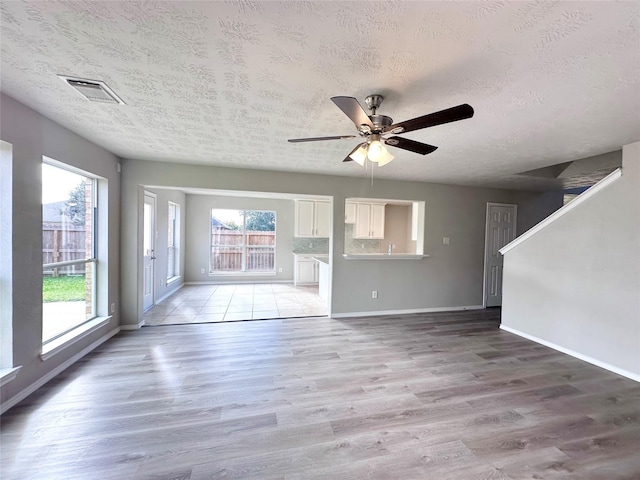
(6, 257)
(68, 250)
(242, 241)
(173, 242)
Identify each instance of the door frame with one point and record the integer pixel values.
(153, 239)
(486, 241)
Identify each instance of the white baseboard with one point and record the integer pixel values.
(137, 326)
(403, 312)
(234, 282)
(573, 353)
(168, 294)
(17, 398)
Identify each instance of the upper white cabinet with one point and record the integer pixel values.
(369, 220)
(349, 212)
(313, 218)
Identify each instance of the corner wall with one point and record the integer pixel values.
(575, 284)
(33, 136)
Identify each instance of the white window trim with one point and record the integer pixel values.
(8, 374)
(243, 248)
(61, 341)
(176, 242)
(59, 344)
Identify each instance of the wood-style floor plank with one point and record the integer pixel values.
(447, 396)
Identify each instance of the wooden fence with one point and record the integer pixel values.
(227, 251)
(60, 245)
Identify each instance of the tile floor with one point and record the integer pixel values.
(228, 303)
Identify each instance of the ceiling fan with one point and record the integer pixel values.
(376, 129)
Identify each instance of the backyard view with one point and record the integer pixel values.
(242, 241)
(63, 289)
(67, 250)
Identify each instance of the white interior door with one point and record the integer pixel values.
(148, 249)
(500, 230)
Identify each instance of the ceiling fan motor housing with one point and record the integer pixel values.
(381, 121)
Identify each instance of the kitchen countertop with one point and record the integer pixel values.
(383, 256)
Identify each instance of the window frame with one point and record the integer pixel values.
(244, 246)
(92, 260)
(173, 226)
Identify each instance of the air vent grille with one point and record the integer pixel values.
(93, 90)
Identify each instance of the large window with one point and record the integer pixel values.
(68, 250)
(173, 242)
(242, 241)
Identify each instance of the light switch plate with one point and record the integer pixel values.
(445, 241)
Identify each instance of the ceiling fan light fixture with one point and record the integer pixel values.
(359, 156)
(376, 151)
(387, 158)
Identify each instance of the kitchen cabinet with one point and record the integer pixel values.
(369, 221)
(306, 270)
(350, 212)
(312, 218)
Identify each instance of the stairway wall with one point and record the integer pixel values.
(574, 285)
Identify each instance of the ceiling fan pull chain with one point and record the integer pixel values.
(371, 174)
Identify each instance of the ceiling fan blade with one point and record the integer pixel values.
(353, 110)
(348, 157)
(452, 114)
(411, 145)
(318, 139)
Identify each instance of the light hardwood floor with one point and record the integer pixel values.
(439, 396)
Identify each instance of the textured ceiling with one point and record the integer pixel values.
(226, 83)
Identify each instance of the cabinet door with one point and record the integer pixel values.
(350, 212)
(306, 271)
(323, 219)
(363, 220)
(304, 218)
(377, 221)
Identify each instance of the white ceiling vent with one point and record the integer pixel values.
(93, 90)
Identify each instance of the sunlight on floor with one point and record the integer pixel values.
(228, 303)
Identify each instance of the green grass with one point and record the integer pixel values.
(63, 289)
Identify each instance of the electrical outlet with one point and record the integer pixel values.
(445, 240)
(374, 294)
(310, 245)
(362, 245)
(202, 270)
(113, 307)
(280, 270)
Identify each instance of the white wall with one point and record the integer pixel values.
(575, 284)
(33, 136)
(198, 221)
(451, 277)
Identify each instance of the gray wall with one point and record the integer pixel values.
(451, 277)
(533, 207)
(33, 136)
(198, 221)
(576, 283)
(163, 197)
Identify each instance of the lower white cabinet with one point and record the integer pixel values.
(305, 270)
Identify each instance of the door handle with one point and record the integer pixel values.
(153, 258)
